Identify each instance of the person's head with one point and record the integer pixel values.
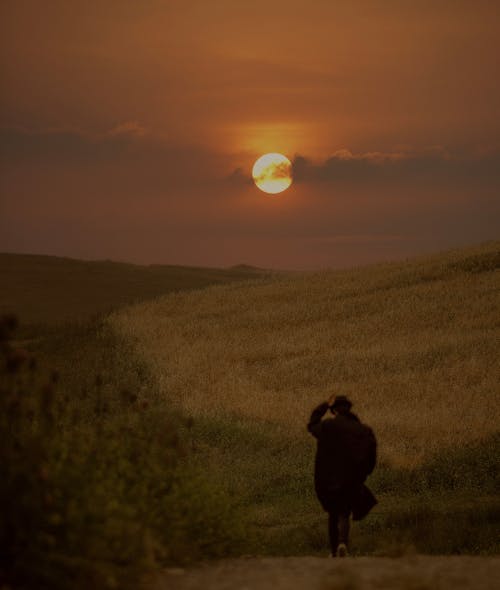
(341, 405)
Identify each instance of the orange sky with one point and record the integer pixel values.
(128, 129)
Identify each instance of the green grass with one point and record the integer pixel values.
(448, 504)
(97, 476)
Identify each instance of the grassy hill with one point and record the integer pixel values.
(50, 291)
(174, 429)
(414, 344)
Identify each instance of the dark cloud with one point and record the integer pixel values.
(434, 166)
(127, 144)
(240, 177)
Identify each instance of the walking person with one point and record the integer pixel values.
(345, 456)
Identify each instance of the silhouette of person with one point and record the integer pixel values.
(345, 456)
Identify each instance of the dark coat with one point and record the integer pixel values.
(345, 456)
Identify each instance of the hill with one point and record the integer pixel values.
(174, 429)
(413, 344)
(51, 291)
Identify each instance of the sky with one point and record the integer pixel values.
(128, 129)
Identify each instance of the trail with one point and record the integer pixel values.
(415, 572)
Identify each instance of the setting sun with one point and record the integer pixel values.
(272, 173)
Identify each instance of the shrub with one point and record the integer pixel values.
(97, 486)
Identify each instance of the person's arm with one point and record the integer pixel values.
(314, 425)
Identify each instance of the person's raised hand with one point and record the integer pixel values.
(330, 399)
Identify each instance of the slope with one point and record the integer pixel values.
(414, 344)
(50, 291)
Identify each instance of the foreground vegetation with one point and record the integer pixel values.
(97, 482)
(413, 344)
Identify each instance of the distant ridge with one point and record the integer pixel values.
(52, 290)
(247, 268)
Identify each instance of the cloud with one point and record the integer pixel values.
(430, 165)
(357, 238)
(239, 177)
(18, 143)
(128, 146)
(135, 196)
(128, 129)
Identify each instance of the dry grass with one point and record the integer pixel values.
(414, 344)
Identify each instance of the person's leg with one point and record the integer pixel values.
(343, 528)
(333, 530)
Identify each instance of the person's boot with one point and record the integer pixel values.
(342, 550)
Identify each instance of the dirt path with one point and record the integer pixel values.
(315, 573)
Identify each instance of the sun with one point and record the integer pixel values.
(272, 173)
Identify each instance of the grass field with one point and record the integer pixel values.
(414, 344)
(174, 429)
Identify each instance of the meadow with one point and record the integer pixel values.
(414, 344)
(173, 430)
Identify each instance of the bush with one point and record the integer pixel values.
(97, 485)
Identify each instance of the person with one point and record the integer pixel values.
(346, 454)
